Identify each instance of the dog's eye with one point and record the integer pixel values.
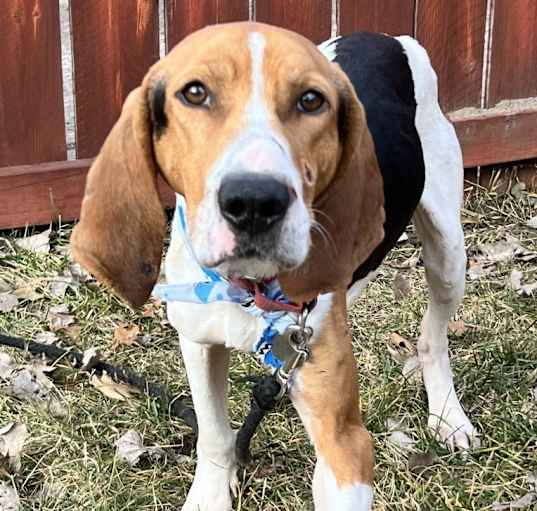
(195, 94)
(311, 102)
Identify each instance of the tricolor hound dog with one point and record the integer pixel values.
(295, 162)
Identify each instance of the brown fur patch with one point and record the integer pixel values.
(328, 399)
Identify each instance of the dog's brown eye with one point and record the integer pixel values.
(194, 93)
(311, 102)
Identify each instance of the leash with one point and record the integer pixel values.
(175, 404)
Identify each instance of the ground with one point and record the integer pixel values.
(494, 361)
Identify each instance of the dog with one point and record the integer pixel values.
(298, 167)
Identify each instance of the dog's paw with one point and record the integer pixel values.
(452, 427)
(212, 488)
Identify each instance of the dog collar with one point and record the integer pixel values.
(284, 320)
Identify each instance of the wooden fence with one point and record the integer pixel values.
(485, 53)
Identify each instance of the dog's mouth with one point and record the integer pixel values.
(252, 265)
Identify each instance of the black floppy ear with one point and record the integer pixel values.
(350, 210)
(120, 235)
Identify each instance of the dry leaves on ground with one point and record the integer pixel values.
(27, 290)
(30, 383)
(12, 438)
(418, 462)
(490, 254)
(38, 243)
(405, 353)
(8, 301)
(112, 389)
(515, 283)
(9, 499)
(397, 436)
(59, 317)
(457, 328)
(532, 222)
(130, 449)
(46, 338)
(126, 335)
(7, 365)
(401, 286)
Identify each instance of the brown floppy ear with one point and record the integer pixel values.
(120, 235)
(350, 210)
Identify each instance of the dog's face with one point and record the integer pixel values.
(251, 137)
(269, 145)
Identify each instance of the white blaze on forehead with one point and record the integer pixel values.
(256, 110)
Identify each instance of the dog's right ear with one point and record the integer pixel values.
(120, 235)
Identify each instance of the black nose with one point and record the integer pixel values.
(253, 203)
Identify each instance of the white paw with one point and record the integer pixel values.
(212, 488)
(452, 427)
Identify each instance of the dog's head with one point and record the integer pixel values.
(268, 143)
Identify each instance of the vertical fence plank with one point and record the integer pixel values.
(453, 33)
(311, 18)
(394, 17)
(186, 16)
(114, 43)
(514, 51)
(31, 102)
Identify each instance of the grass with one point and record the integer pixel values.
(68, 463)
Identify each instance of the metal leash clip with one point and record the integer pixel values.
(297, 337)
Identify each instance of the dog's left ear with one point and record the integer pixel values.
(350, 210)
(120, 235)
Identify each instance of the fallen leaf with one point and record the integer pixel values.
(503, 251)
(56, 408)
(532, 222)
(59, 317)
(400, 348)
(30, 383)
(522, 503)
(469, 217)
(29, 291)
(125, 335)
(9, 499)
(58, 285)
(478, 269)
(457, 328)
(401, 287)
(518, 190)
(152, 309)
(419, 461)
(4, 286)
(8, 302)
(411, 365)
(515, 283)
(130, 449)
(7, 365)
(397, 436)
(107, 386)
(51, 490)
(73, 332)
(39, 243)
(12, 438)
(47, 338)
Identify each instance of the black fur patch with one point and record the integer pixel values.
(157, 99)
(378, 69)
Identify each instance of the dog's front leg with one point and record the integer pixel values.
(207, 370)
(325, 394)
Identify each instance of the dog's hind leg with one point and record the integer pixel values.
(207, 369)
(437, 221)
